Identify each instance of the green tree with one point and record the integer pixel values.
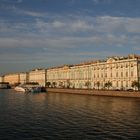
(98, 84)
(54, 84)
(61, 84)
(108, 84)
(87, 84)
(68, 83)
(48, 84)
(135, 85)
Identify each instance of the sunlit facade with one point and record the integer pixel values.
(59, 76)
(37, 75)
(12, 78)
(120, 71)
(23, 77)
(1, 78)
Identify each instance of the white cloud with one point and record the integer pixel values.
(69, 33)
(58, 24)
(101, 1)
(19, 1)
(32, 13)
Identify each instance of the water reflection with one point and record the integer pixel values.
(68, 116)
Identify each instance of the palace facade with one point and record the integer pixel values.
(23, 77)
(37, 75)
(12, 79)
(119, 71)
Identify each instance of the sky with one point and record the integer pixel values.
(47, 33)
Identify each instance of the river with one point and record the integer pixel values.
(57, 116)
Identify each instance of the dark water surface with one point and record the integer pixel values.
(67, 116)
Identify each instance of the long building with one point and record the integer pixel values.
(12, 79)
(121, 72)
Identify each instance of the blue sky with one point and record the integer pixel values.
(46, 33)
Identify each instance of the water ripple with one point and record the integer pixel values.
(67, 116)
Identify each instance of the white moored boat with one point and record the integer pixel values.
(30, 88)
(19, 88)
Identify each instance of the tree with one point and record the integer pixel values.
(98, 84)
(87, 84)
(48, 84)
(135, 84)
(61, 84)
(54, 84)
(68, 83)
(108, 84)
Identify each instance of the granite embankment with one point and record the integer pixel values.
(96, 92)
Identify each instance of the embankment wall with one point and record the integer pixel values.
(96, 92)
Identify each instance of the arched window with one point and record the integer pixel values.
(121, 74)
(117, 74)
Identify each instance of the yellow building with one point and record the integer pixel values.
(12, 78)
(1, 78)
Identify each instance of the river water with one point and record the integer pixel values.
(57, 116)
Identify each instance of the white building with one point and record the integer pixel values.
(58, 75)
(23, 77)
(119, 71)
(37, 75)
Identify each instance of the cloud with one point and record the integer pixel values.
(19, 1)
(67, 33)
(58, 24)
(73, 37)
(120, 24)
(32, 13)
(101, 1)
(13, 1)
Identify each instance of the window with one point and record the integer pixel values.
(126, 74)
(117, 84)
(101, 75)
(122, 84)
(117, 74)
(126, 83)
(132, 73)
(121, 74)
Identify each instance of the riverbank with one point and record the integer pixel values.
(135, 94)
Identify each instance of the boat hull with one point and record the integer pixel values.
(20, 89)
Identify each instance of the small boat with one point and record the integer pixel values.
(33, 89)
(4, 85)
(19, 88)
(29, 88)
